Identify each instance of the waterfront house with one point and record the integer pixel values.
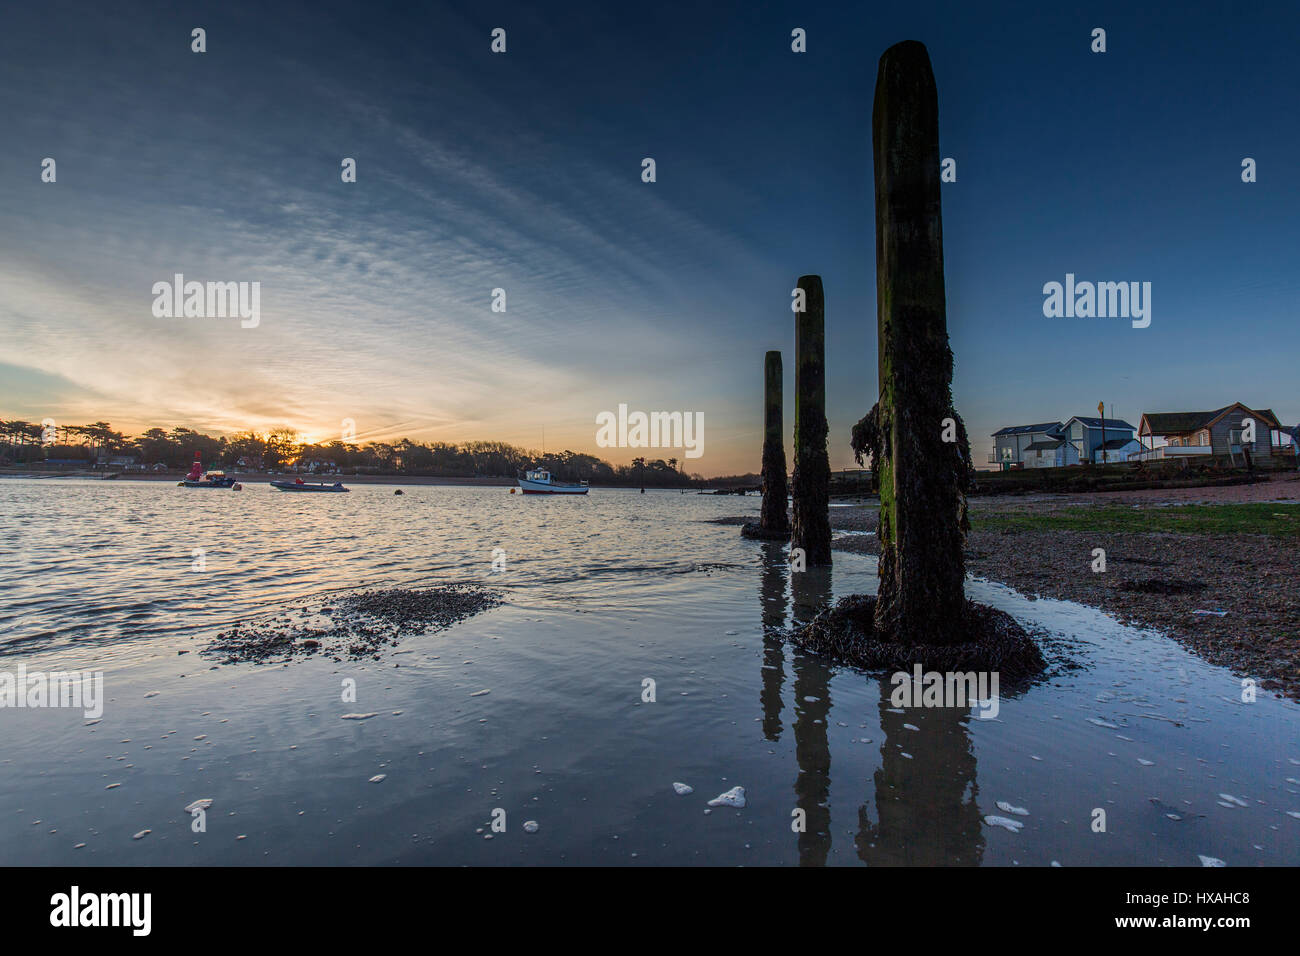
(1095, 439)
(1016, 446)
(1049, 453)
(126, 462)
(316, 466)
(1116, 449)
(1192, 435)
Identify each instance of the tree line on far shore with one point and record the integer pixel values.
(281, 449)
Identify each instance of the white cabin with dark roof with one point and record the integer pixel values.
(1098, 440)
(1025, 446)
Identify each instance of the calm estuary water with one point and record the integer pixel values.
(600, 594)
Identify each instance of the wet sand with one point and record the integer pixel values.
(1154, 580)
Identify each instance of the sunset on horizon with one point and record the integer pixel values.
(522, 172)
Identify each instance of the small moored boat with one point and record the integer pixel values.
(539, 482)
(299, 485)
(198, 478)
(209, 479)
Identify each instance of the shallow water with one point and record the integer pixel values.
(601, 593)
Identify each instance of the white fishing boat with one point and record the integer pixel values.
(539, 482)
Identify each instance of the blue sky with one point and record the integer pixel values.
(522, 171)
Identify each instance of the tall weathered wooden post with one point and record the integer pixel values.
(922, 476)
(774, 519)
(920, 452)
(812, 469)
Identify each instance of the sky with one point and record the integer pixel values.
(523, 171)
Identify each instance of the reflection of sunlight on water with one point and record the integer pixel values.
(111, 562)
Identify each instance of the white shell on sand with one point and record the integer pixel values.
(1015, 826)
(201, 804)
(683, 789)
(735, 797)
(357, 716)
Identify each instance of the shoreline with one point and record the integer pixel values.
(266, 478)
(1153, 579)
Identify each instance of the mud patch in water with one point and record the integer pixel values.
(353, 626)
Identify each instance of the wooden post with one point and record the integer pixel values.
(775, 490)
(922, 481)
(812, 469)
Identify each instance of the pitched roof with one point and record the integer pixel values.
(1175, 423)
(1026, 429)
(1043, 445)
(1097, 422)
(1179, 423)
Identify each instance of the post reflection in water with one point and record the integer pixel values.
(812, 703)
(773, 598)
(927, 804)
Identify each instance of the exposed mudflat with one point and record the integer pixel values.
(349, 626)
